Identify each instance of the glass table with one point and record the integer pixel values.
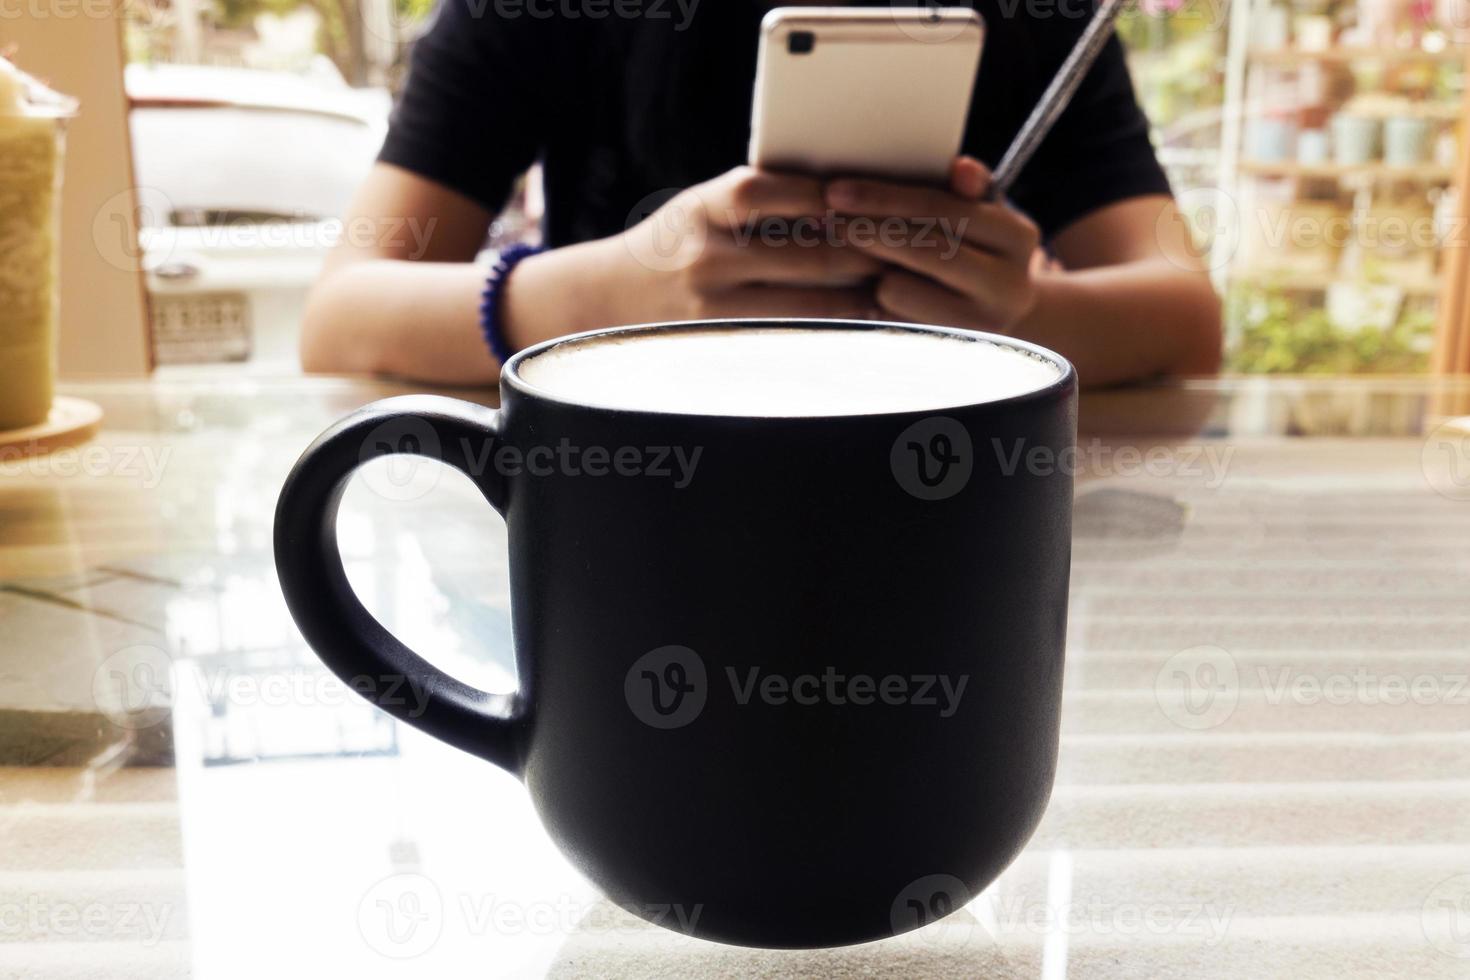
(1265, 762)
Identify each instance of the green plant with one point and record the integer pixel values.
(1281, 335)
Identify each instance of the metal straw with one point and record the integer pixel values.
(1056, 97)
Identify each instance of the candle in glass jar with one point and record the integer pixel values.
(30, 159)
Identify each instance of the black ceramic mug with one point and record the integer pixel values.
(801, 689)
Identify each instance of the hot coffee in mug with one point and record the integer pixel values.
(767, 371)
(789, 607)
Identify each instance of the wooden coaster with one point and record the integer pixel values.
(72, 420)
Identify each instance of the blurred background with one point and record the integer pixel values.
(1315, 144)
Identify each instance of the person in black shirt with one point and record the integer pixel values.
(638, 111)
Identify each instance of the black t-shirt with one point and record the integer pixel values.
(626, 110)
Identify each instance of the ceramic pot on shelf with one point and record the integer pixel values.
(1355, 139)
(1406, 140)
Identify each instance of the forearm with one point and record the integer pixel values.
(417, 320)
(417, 315)
(1126, 322)
(421, 320)
(558, 292)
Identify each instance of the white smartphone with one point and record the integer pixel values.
(879, 92)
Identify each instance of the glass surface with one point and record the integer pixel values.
(1264, 762)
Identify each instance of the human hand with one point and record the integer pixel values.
(746, 243)
(950, 256)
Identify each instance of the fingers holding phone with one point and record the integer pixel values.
(835, 94)
(951, 256)
(746, 243)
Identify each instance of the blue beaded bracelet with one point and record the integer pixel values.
(490, 324)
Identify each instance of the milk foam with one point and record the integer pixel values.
(776, 372)
(783, 371)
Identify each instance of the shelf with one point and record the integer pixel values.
(1429, 173)
(1441, 111)
(1289, 57)
(1188, 156)
(1319, 281)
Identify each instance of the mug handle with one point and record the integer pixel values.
(353, 644)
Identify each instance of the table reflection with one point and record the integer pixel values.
(1257, 566)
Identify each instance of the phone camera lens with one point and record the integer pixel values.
(801, 42)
